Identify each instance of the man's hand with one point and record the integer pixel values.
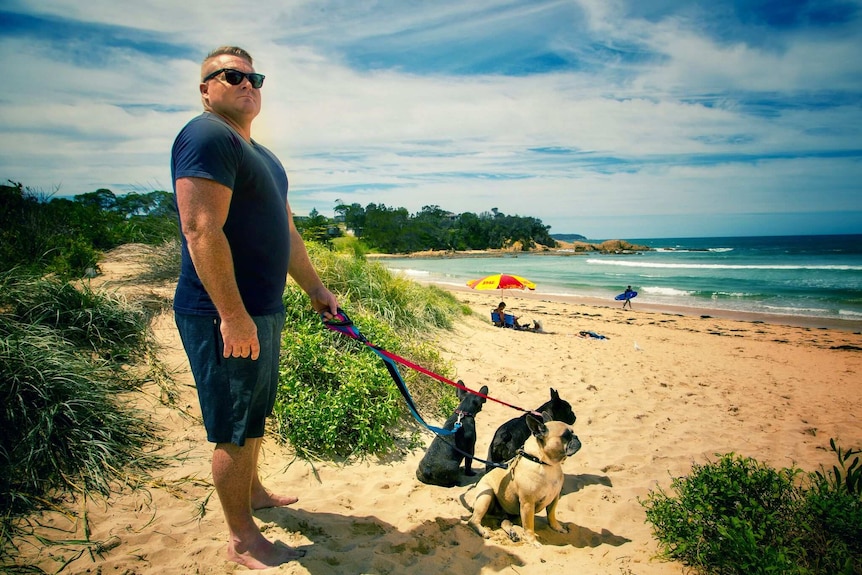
(324, 302)
(240, 337)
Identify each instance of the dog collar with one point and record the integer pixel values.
(532, 458)
(461, 415)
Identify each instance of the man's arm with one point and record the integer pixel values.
(203, 206)
(303, 272)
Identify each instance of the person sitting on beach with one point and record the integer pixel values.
(499, 310)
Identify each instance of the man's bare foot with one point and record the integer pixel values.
(261, 499)
(263, 554)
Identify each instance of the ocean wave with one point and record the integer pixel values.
(414, 273)
(735, 295)
(691, 250)
(847, 312)
(665, 291)
(665, 265)
(792, 310)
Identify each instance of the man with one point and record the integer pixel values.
(239, 244)
(628, 297)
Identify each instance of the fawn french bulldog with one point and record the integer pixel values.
(532, 482)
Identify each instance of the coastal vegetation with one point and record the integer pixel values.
(739, 516)
(394, 230)
(65, 236)
(336, 397)
(70, 358)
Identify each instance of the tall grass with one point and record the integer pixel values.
(368, 285)
(89, 319)
(162, 263)
(67, 357)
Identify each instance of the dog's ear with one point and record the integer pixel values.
(537, 427)
(461, 394)
(483, 391)
(546, 416)
(554, 395)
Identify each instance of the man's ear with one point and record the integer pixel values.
(204, 88)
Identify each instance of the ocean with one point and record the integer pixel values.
(811, 276)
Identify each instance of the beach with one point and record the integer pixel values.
(664, 390)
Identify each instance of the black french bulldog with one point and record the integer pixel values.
(511, 436)
(441, 463)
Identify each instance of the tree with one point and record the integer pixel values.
(386, 228)
(315, 227)
(354, 217)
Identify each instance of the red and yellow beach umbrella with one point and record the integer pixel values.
(501, 281)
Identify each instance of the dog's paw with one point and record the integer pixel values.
(478, 529)
(470, 473)
(509, 528)
(560, 528)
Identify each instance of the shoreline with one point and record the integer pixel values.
(852, 326)
(699, 309)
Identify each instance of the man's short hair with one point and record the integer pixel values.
(230, 51)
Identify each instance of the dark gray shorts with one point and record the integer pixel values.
(236, 394)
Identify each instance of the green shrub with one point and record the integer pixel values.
(730, 515)
(336, 397)
(332, 399)
(833, 510)
(736, 515)
(74, 258)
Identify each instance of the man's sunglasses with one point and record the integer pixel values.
(235, 77)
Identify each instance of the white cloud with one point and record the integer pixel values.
(661, 121)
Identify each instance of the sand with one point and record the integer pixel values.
(662, 392)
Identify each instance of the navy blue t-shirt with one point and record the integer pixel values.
(257, 227)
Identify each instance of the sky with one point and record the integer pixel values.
(605, 118)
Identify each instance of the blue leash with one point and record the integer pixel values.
(342, 324)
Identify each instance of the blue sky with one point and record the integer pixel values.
(612, 119)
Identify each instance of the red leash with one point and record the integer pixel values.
(343, 324)
(438, 377)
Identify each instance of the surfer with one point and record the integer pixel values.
(628, 297)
